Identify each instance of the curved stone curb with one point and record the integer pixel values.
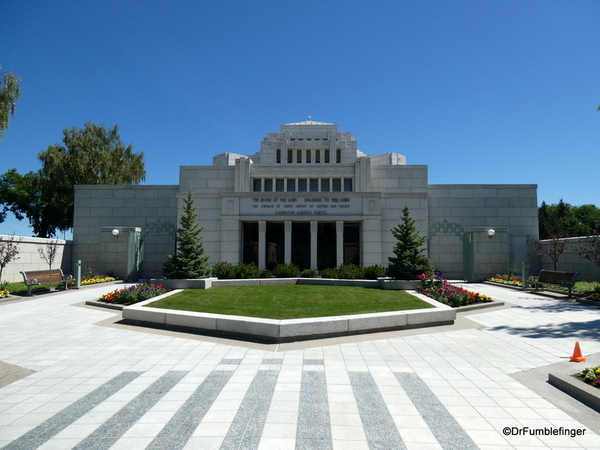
(476, 306)
(104, 305)
(583, 392)
(279, 331)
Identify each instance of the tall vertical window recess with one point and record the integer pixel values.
(314, 155)
(303, 185)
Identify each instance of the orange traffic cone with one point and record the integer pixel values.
(577, 356)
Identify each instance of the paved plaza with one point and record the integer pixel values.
(92, 382)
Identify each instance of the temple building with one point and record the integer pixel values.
(310, 197)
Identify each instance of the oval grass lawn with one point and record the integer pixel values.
(290, 301)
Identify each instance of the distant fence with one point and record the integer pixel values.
(29, 257)
(569, 261)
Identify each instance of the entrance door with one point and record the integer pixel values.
(301, 244)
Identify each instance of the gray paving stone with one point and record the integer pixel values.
(314, 426)
(246, 429)
(378, 424)
(110, 431)
(51, 427)
(178, 430)
(445, 428)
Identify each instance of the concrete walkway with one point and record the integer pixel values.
(480, 383)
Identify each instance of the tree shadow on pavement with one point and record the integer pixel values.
(560, 307)
(579, 330)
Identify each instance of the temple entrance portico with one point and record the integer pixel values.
(310, 244)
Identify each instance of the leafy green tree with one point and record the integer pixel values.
(9, 94)
(92, 155)
(21, 195)
(565, 220)
(189, 260)
(409, 261)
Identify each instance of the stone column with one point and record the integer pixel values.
(231, 234)
(371, 243)
(287, 227)
(339, 242)
(314, 229)
(262, 244)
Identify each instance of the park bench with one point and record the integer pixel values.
(557, 278)
(37, 277)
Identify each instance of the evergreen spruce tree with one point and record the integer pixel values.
(189, 259)
(409, 262)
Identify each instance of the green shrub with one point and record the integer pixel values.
(265, 273)
(224, 271)
(330, 272)
(375, 271)
(345, 271)
(308, 273)
(286, 270)
(587, 287)
(247, 271)
(350, 272)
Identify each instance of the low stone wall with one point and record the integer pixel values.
(206, 283)
(279, 331)
(30, 259)
(570, 261)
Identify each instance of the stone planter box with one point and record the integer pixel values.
(291, 330)
(207, 283)
(400, 285)
(570, 384)
(199, 283)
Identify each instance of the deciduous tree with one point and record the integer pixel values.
(9, 249)
(591, 248)
(9, 94)
(553, 249)
(48, 252)
(92, 155)
(565, 220)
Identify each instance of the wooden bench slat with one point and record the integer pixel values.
(557, 278)
(37, 277)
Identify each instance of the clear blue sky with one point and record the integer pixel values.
(494, 91)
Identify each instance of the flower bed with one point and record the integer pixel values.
(4, 294)
(591, 375)
(507, 279)
(133, 294)
(439, 289)
(97, 280)
(589, 289)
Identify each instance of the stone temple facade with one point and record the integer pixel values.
(310, 197)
